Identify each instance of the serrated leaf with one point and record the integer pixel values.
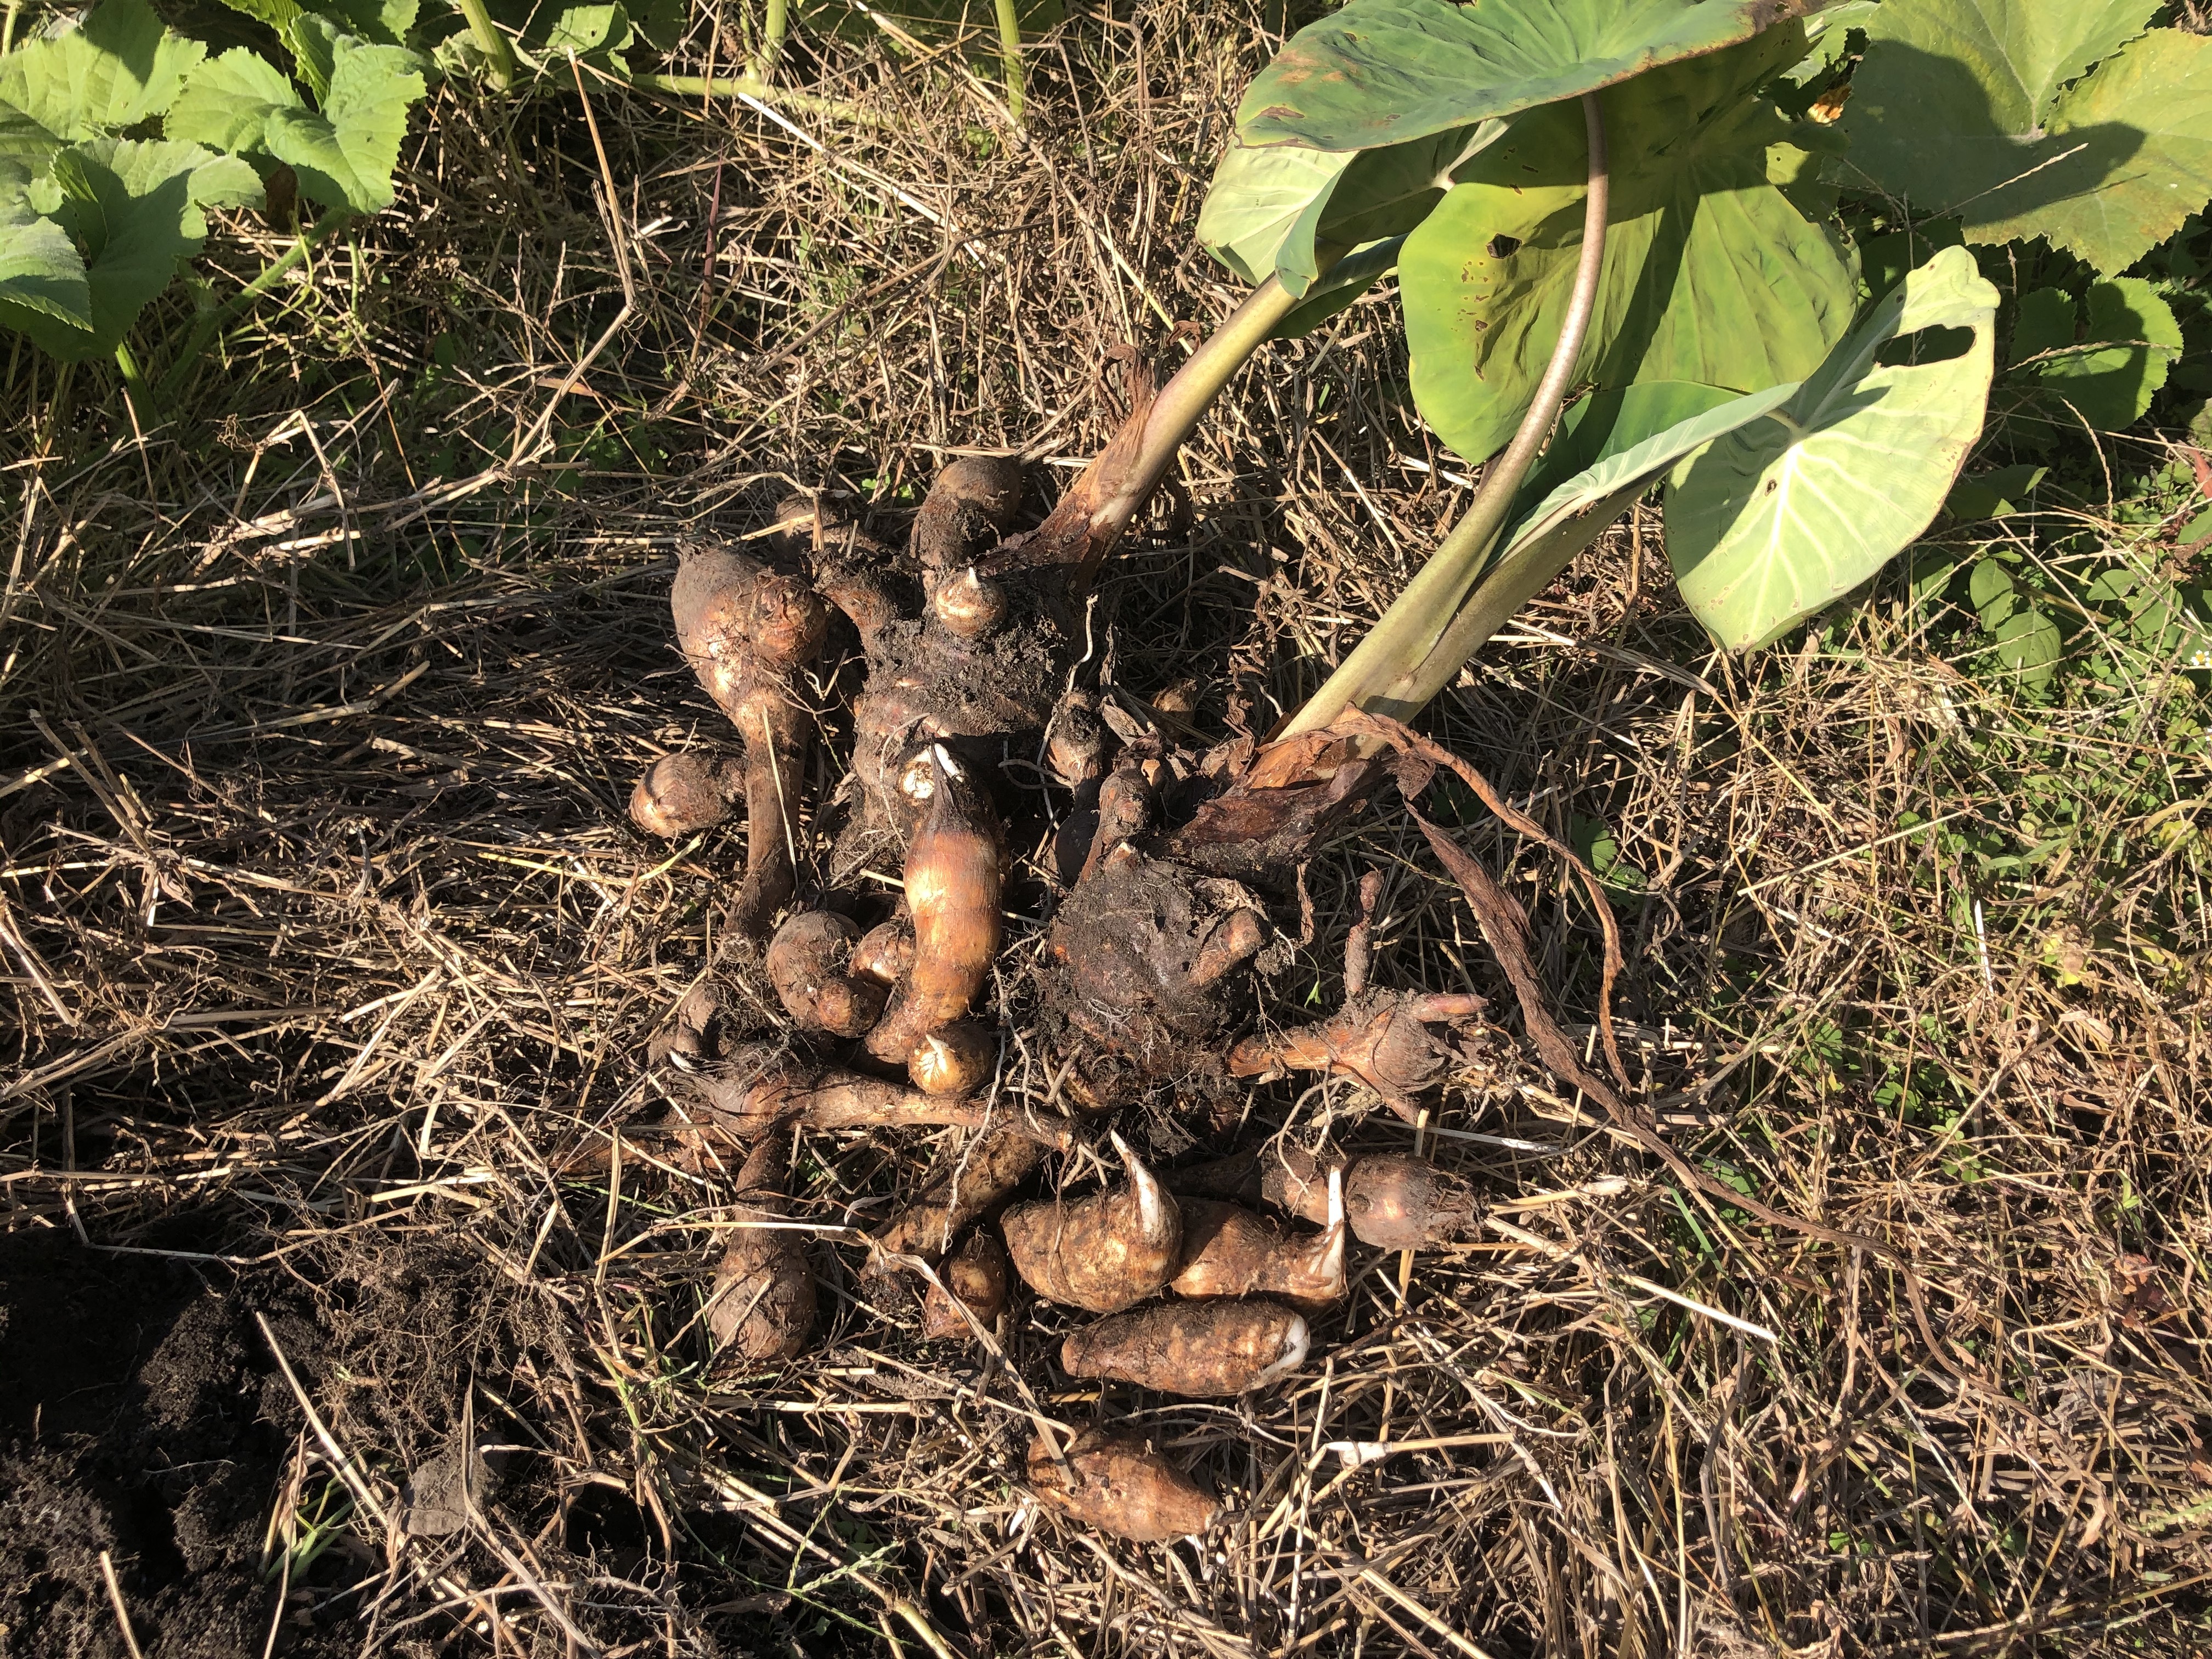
(381, 23)
(228, 101)
(119, 66)
(1989, 591)
(278, 14)
(40, 270)
(134, 209)
(1780, 519)
(1384, 71)
(1963, 105)
(346, 152)
(588, 31)
(2108, 380)
(1710, 274)
(2045, 322)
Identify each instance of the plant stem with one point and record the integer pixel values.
(213, 318)
(1009, 48)
(772, 29)
(1405, 649)
(7, 27)
(1179, 405)
(749, 86)
(133, 381)
(499, 56)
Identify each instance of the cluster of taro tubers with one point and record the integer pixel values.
(1172, 868)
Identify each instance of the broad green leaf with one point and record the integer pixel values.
(1383, 71)
(1994, 493)
(382, 22)
(587, 31)
(1339, 288)
(2029, 645)
(1964, 106)
(1990, 590)
(2108, 379)
(1774, 522)
(134, 209)
(1270, 206)
(1710, 274)
(228, 101)
(278, 14)
(1605, 424)
(1829, 32)
(41, 270)
(114, 69)
(2045, 323)
(344, 154)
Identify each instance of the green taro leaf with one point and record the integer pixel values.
(1383, 71)
(40, 270)
(134, 209)
(228, 101)
(1271, 205)
(1710, 274)
(346, 152)
(1964, 106)
(1777, 521)
(119, 66)
(2108, 381)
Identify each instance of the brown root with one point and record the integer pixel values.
(1228, 1251)
(974, 1275)
(1383, 1041)
(1201, 1350)
(984, 1175)
(956, 1060)
(756, 1091)
(1116, 1485)
(952, 888)
(1102, 1253)
(810, 963)
(761, 1308)
(685, 792)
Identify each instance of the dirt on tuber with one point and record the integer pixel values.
(1118, 1485)
(1103, 1252)
(1201, 1350)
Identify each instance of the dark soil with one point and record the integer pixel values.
(140, 1415)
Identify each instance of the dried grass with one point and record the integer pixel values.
(329, 948)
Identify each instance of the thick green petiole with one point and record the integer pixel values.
(751, 86)
(773, 27)
(1452, 605)
(499, 56)
(1009, 49)
(213, 318)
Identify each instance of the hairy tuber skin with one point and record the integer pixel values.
(810, 963)
(985, 1175)
(686, 791)
(1116, 1485)
(956, 1060)
(952, 894)
(747, 631)
(1102, 1253)
(1391, 1201)
(1228, 1251)
(1201, 1350)
(761, 1308)
(1383, 1041)
(976, 1274)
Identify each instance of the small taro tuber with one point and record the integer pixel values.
(756, 1088)
(810, 963)
(748, 631)
(1103, 1252)
(886, 951)
(1383, 1041)
(976, 1274)
(973, 500)
(952, 887)
(1392, 1201)
(761, 1308)
(1203, 1350)
(685, 792)
(984, 1175)
(1228, 1251)
(958, 1060)
(1121, 1485)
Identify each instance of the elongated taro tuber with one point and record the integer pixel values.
(1103, 1252)
(952, 887)
(685, 792)
(1392, 1201)
(810, 963)
(983, 1175)
(1383, 1041)
(761, 1308)
(1203, 1350)
(756, 1088)
(976, 1274)
(1117, 1485)
(747, 631)
(1228, 1251)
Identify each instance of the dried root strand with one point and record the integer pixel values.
(686, 791)
(761, 1307)
(1382, 1041)
(974, 1276)
(1104, 1252)
(1115, 1484)
(1201, 1350)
